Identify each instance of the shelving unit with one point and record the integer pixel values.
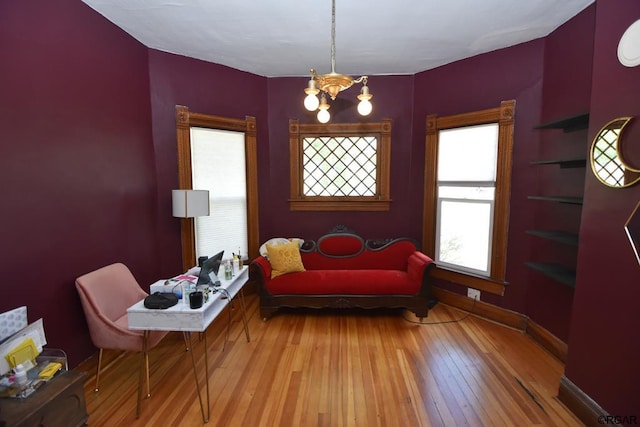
(556, 271)
(560, 273)
(564, 163)
(557, 236)
(568, 124)
(559, 199)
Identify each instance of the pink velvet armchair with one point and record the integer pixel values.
(106, 294)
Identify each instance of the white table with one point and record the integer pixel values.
(182, 318)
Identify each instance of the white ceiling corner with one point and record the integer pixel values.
(288, 37)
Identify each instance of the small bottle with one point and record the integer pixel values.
(236, 263)
(20, 376)
(228, 270)
(187, 288)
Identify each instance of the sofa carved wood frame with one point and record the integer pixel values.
(417, 304)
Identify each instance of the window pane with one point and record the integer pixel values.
(339, 166)
(470, 192)
(218, 165)
(468, 153)
(464, 230)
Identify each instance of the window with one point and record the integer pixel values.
(209, 149)
(466, 192)
(218, 165)
(467, 184)
(340, 166)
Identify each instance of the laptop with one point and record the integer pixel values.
(209, 272)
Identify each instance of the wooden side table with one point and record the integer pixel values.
(60, 402)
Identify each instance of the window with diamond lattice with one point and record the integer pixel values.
(339, 166)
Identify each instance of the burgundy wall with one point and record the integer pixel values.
(203, 87)
(567, 67)
(79, 186)
(604, 348)
(89, 157)
(545, 81)
(483, 82)
(566, 92)
(392, 98)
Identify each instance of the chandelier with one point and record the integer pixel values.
(334, 83)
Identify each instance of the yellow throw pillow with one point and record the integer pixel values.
(284, 258)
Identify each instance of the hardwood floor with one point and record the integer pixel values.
(340, 368)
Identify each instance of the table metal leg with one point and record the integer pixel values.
(205, 417)
(243, 307)
(206, 372)
(186, 341)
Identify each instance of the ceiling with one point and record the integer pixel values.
(277, 38)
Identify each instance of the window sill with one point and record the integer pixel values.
(339, 204)
(485, 284)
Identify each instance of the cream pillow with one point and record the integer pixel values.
(277, 241)
(272, 242)
(284, 258)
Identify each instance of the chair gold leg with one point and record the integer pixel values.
(98, 373)
(146, 370)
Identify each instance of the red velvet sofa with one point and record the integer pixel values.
(343, 270)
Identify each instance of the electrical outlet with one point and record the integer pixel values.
(473, 293)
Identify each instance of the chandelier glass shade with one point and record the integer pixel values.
(333, 83)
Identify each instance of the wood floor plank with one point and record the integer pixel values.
(339, 368)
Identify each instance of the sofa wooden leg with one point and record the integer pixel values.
(420, 313)
(266, 313)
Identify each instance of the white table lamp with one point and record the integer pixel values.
(190, 203)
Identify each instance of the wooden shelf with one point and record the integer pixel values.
(568, 124)
(559, 199)
(557, 236)
(563, 163)
(556, 272)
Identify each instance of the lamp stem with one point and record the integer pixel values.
(333, 36)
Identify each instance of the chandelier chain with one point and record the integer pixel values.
(333, 36)
(333, 83)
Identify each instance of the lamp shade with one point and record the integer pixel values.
(190, 203)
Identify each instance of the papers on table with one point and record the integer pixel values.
(12, 321)
(22, 342)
